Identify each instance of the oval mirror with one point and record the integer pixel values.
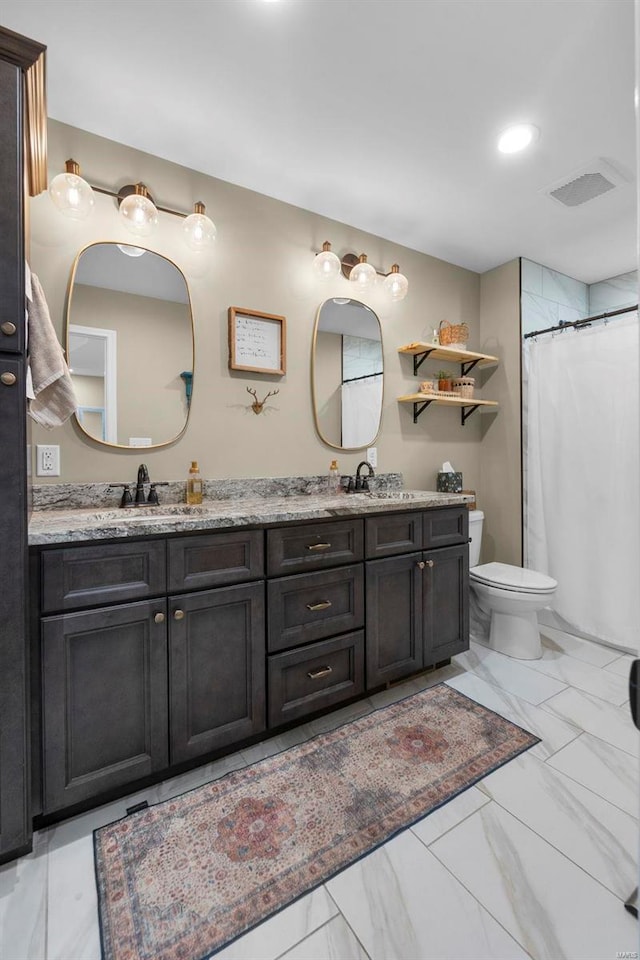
(129, 330)
(347, 374)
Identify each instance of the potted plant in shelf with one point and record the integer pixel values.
(445, 381)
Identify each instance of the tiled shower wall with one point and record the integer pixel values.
(549, 298)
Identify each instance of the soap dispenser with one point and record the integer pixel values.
(194, 484)
(333, 485)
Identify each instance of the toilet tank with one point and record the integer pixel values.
(476, 519)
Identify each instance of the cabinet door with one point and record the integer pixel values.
(394, 618)
(446, 603)
(217, 658)
(104, 683)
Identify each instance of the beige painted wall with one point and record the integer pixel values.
(262, 260)
(500, 485)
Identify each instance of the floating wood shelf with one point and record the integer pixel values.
(467, 405)
(467, 359)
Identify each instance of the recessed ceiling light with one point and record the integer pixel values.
(517, 137)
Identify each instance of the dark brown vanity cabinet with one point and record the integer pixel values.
(131, 689)
(417, 603)
(156, 652)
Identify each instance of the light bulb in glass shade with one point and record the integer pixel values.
(326, 264)
(138, 212)
(199, 230)
(395, 283)
(363, 274)
(71, 194)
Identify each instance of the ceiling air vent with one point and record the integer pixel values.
(585, 184)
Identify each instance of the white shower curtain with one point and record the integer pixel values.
(582, 483)
(361, 405)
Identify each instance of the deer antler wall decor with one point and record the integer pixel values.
(257, 405)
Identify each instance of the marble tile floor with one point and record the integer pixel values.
(535, 861)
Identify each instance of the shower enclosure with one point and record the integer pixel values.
(581, 440)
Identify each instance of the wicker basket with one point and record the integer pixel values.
(453, 334)
(465, 385)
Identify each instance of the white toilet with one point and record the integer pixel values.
(512, 595)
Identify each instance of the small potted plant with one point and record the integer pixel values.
(445, 381)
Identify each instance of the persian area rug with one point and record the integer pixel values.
(179, 880)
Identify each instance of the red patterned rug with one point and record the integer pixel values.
(179, 880)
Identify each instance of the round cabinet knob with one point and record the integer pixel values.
(159, 618)
(430, 563)
(8, 379)
(178, 614)
(8, 328)
(421, 564)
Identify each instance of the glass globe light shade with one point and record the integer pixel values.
(138, 212)
(326, 264)
(363, 274)
(395, 283)
(131, 251)
(71, 194)
(199, 230)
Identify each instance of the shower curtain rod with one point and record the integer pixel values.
(581, 323)
(365, 376)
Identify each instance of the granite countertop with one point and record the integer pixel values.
(74, 525)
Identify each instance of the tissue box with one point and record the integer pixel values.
(449, 482)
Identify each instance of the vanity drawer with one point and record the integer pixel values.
(446, 526)
(106, 573)
(320, 675)
(313, 546)
(394, 533)
(314, 605)
(215, 560)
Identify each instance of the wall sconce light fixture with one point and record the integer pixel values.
(71, 194)
(74, 197)
(359, 272)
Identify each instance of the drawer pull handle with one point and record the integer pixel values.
(318, 546)
(178, 614)
(8, 379)
(317, 674)
(8, 328)
(159, 618)
(323, 605)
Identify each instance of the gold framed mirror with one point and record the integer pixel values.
(347, 374)
(130, 345)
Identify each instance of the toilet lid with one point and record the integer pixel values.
(513, 578)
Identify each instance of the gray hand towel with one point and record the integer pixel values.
(55, 399)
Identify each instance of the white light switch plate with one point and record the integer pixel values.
(372, 456)
(47, 460)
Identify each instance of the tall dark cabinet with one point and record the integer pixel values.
(21, 60)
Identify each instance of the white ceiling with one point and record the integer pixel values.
(382, 114)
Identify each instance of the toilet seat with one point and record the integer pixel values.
(505, 576)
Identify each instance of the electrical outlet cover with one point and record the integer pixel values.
(372, 456)
(47, 460)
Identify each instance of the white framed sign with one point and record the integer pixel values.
(257, 341)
